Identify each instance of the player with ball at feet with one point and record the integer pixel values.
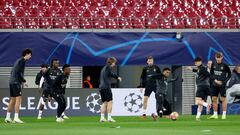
(105, 88)
(162, 82)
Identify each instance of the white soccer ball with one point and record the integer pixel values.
(174, 116)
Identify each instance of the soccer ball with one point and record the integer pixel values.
(133, 103)
(93, 103)
(174, 116)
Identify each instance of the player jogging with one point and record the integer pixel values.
(58, 91)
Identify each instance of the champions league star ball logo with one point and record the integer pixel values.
(94, 103)
(133, 102)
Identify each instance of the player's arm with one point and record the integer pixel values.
(155, 76)
(113, 75)
(204, 71)
(20, 71)
(172, 80)
(192, 69)
(38, 78)
(229, 73)
(158, 70)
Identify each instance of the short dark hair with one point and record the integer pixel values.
(218, 55)
(65, 66)
(149, 57)
(197, 59)
(166, 69)
(26, 51)
(111, 60)
(44, 66)
(53, 61)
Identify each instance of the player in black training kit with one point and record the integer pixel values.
(162, 82)
(16, 83)
(49, 77)
(220, 73)
(148, 83)
(58, 91)
(105, 88)
(39, 80)
(203, 86)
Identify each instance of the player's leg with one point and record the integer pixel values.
(109, 110)
(104, 105)
(9, 110)
(147, 93)
(109, 99)
(199, 102)
(64, 116)
(224, 102)
(145, 101)
(17, 108)
(63, 106)
(60, 108)
(160, 100)
(224, 107)
(103, 112)
(42, 101)
(214, 94)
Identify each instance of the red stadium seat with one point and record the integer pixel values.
(137, 14)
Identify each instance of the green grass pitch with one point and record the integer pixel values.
(185, 125)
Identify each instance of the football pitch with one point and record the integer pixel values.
(124, 126)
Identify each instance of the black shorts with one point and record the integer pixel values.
(106, 95)
(148, 91)
(215, 90)
(15, 90)
(203, 92)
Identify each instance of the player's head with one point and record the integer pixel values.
(209, 64)
(88, 78)
(219, 57)
(166, 72)
(54, 63)
(44, 67)
(198, 61)
(27, 53)
(150, 60)
(66, 69)
(111, 61)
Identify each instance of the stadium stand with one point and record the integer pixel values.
(114, 14)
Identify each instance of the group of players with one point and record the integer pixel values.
(210, 82)
(53, 83)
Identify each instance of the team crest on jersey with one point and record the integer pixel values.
(221, 67)
(154, 70)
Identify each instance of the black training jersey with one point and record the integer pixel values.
(59, 85)
(145, 80)
(220, 72)
(50, 76)
(203, 76)
(38, 77)
(105, 76)
(17, 73)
